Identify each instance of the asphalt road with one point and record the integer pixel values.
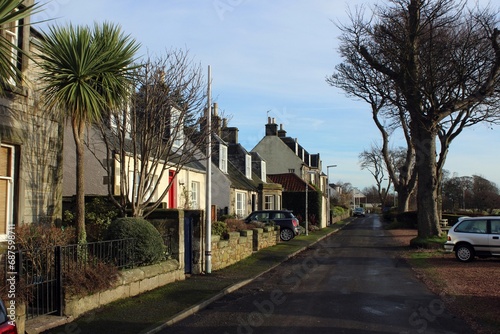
(351, 282)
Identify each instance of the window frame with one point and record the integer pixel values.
(195, 195)
(14, 34)
(269, 202)
(240, 203)
(223, 158)
(176, 128)
(248, 166)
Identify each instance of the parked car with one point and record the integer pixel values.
(6, 325)
(288, 223)
(474, 236)
(359, 212)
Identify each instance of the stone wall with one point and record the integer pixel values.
(240, 245)
(130, 283)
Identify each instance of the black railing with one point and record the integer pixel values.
(119, 253)
(42, 271)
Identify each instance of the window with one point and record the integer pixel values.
(121, 122)
(6, 189)
(13, 34)
(223, 158)
(177, 128)
(248, 166)
(495, 226)
(269, 202)
(279, 215)
(151, 182)
(149, 186)
(472, 226)
(241, 201)
(291, 170)
(263, 173)
(195, 195)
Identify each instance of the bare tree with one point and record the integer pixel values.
(436, 61)
(359, 80)
(151, 139)
(373, 161)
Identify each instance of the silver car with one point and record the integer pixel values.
(474, 236)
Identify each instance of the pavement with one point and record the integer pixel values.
(152, 311)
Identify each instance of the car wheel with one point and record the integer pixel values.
(464, 253)
(286, 234)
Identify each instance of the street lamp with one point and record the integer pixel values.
(328, 191)
(307, 200)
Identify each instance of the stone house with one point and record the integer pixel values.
(250, 188)
(30, 144)
(284, 155)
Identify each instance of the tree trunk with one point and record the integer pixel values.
(78, 128)
(403, 200)
(424, 141)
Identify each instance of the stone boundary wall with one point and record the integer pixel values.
(240, 245)
(336, 219)
(131, 282)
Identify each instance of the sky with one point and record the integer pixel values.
(271, 59)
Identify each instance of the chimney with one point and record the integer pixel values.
(216, 121)
(281, 132)
(230, 135)
(216, 109)
(271, 127)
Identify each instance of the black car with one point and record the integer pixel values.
(288, 223)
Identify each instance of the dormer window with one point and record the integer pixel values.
(263, 172)
(248, 166)
(223, 158)
(121, 122)
(176, 128)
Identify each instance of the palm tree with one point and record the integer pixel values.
(11, 12)
(85, 73)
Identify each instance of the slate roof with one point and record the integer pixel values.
(238, 179)
(290, 182)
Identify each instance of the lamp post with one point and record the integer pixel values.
(328, 190)
(307, 201)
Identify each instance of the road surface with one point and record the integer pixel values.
(351, 282)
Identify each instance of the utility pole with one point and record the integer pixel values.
(208, 194)
(328, 189)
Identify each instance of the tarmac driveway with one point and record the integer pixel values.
(350, 282)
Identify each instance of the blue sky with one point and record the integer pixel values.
(271, 58)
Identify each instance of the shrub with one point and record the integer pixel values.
(93, 277)
(99, 213)
(149, 246)
(236, 225)
(219, 228)
(38, 236)
(338, 211)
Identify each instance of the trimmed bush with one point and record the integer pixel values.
(219, 228)
(149, 246)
